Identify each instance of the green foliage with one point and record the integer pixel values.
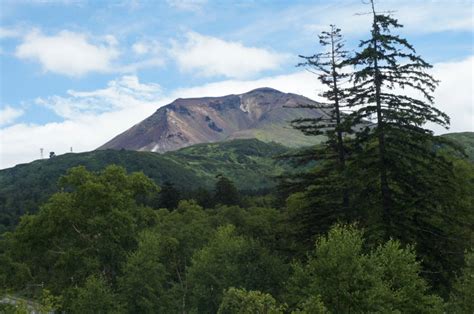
(241, 301)
(462, 295)
(169, 196)
(87, 229)
(260, 223)
(93, 297)
(49, 302)
(325, 187)
(313, 305)
(225, 192)
(465, 140)
(180, 234)
(348, 279)
(142, 284)
(242, 262)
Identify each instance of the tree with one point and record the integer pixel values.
(397, 141)
(95, 297)
(203, 197)
(397, 159)
(326, 187)
(340, 274)
(328, 66)
(86, 229)
(225, 192)
(462, 294)
(230, 260)
(242, 301)
(169, 196)
(181, 233)
(142, 284)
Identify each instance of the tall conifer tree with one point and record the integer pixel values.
(398, 160)
(326, 187)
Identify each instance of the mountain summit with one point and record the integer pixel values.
(263, 113)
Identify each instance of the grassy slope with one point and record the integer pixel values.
(249, 163)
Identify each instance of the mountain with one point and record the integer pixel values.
(249, 163)
(262, 113)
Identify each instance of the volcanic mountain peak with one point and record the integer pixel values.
(262, 113)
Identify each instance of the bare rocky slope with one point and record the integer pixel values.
(262, 113)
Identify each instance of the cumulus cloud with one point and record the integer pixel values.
(455, 94)
(210, 56)
(21, 143)
(9, 114)
(68, 53)
(124, 92)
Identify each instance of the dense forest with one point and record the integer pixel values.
(250, 164)
(379, 218)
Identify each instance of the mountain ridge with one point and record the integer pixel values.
(263, 113)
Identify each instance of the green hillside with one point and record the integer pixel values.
(249, 163)
(465, 139)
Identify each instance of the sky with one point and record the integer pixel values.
(76, 73)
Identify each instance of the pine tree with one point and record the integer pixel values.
(398, 157)
(326, 187)
(225, 192)
(169, 196)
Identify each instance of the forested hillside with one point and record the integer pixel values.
(465, 140)
(250, 164)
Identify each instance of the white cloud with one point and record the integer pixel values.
(144, 47)
(140, 48)
(95, 117)
(125, 92)
(9, 114)
(455, 94)
(302, 83)
(187, 5)
(21, 143)
(210, 56)
(68, 53)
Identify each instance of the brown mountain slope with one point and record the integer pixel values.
(261, 113)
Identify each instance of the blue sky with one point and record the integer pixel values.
(75, 73)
